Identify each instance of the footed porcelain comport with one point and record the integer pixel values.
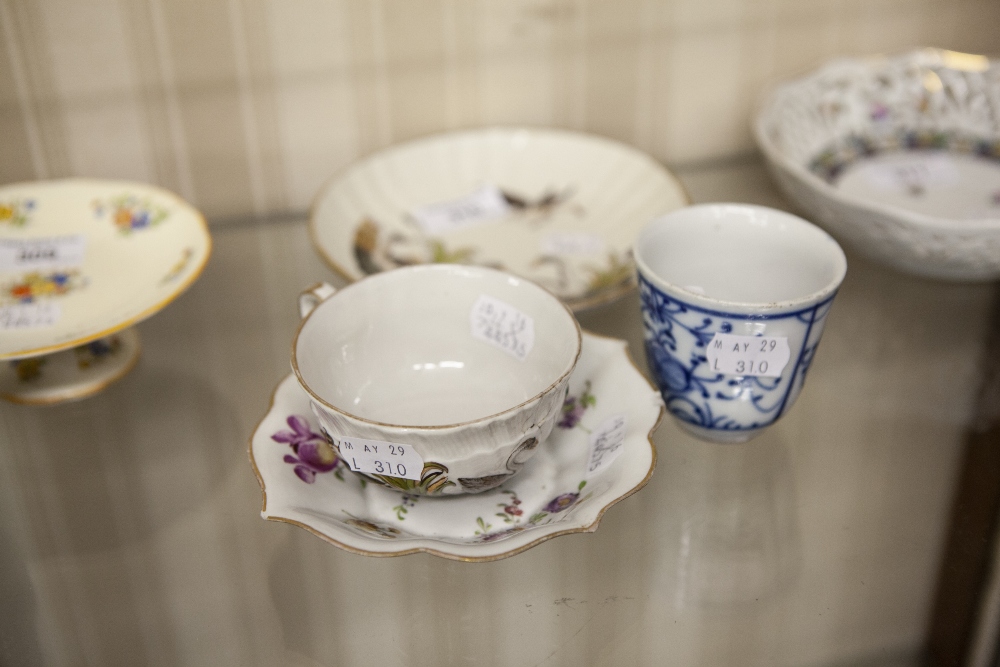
(81, 262)
(734, 300)
(436, 379)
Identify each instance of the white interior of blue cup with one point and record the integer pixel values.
(740, 254)
(397, 348)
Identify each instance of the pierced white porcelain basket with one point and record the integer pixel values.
(899, 157)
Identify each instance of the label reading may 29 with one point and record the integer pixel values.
(502, 325)
(748, 355)
(485, 204)
(606, 444)
(380, 458)
(39, 254)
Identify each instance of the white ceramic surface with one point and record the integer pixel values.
(739, 270)
(71, 374)
(143, 246)
(576, 203)
(393, 358)
(898, 156)
(552, 496)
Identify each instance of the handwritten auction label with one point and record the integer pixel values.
(380, 458)
(502, 325)
(914, 175)
(748, 355)
(483, 205)
(29, 315)
(572, 244)
(606, 444)
(40, 254)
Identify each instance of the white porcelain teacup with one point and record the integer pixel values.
(734, 300)
(436, 379)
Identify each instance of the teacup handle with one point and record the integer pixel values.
(313, 295)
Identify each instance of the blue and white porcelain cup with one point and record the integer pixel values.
(734, 301)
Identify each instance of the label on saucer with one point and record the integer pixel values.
(502, 325)
(606, 444)
(29, 315)
(483, 205)
(380, 458)
(914, 174)
(573, 244)
(41, 254)
(759, 356)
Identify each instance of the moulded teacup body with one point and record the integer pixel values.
(468, 366)
(731, 293)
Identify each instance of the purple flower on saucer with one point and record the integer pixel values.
(313, 454)
(559, 503)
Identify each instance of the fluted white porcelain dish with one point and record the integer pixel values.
(130, 249)
(898, 157)
(465, 365)
(570, 206)
(302, 483)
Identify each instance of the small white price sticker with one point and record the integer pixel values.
(573, 244)
(29, 316)
(39, 254)
(606, 444)
(485, 204)
(380, 458)
(913, 175)
(502, 325)
(748, 355)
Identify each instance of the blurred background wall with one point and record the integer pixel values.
(245, 107)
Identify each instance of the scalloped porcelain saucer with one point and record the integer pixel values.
(565, 488)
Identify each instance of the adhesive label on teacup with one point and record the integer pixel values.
(483, 205)
(380, 458)
(40, 254)
(748, 355)
(572, 244)
(913, 174)
(502, 325)
(607, 442)
(29, 315)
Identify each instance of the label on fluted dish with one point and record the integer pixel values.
(572, 244)
(502, 325)
(483, 205)
(607, 442)
(29, 315)
(41, 254)
(380, 458)
(760, 356)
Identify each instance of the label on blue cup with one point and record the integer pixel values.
(759, 356)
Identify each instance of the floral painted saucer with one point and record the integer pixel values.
(599, 454)
(559, 208)
(80, 261)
